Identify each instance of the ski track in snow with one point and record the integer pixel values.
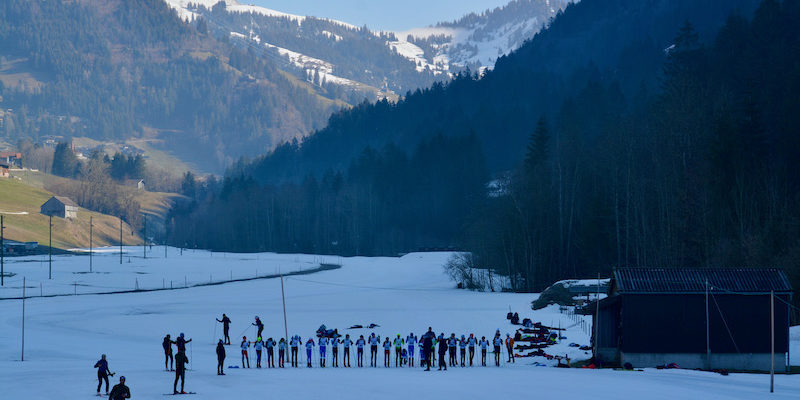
(66, 335)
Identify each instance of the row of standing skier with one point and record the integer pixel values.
(404, 349)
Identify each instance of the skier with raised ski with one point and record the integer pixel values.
(226, 326)
(309, 350)
(220, 357)
(258, 325)
(168, 359)
(180, 372)
(398, 351)
(245, 345)
(120, 391)
(360, 343)
(102, 373)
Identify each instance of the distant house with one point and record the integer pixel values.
(696, 318)
(59, 206)
(11, 158)
(4, 171)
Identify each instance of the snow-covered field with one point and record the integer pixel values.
(64, 336)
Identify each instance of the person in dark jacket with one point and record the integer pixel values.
(220, 357)
(180, 371)
(226, 326)
(181, 343)
(442, 352)
(259, 325)
(102, 373)
(168, 359)
(120, 391)
(427, 349)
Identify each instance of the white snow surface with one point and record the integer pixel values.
(64, 336)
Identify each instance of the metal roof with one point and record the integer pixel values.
(721, 280)
(66, 201)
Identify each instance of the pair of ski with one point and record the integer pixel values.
(178, 394)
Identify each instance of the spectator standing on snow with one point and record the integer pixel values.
(309, 350)
(442, 351)
(226, 326)
(168, 359)
(510, 348)
(220, 357)
(387, 349)
(120, 391)
(102, 373)
(180, 372)
(497, 343)
(360, 343)
(245, 345)
(484, 345)
(281, 352)
(258, 325)
(471, 342)
(270, 343)
(295, 342)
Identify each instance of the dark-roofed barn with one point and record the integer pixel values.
(59, 206)
(654, 317)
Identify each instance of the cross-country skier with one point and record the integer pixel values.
(373, 350)
(220, 357)
(360, 343)
(259, 325)
(411, 340)
(120, 391)
(510, 348)
(462, 347)
(387, 348)
(270, 344)
(309, 349)
(180, 372)
(335, 351)
(484, 345)
(398, 351)
(102, 373)
(498, 341)
(181, 343)
(294, 343)
(281, 352)
(427, 349)
(442, 351)
(167, 345)
(346, 356)
(245, 345)
(258, 345)
(323, 345)
(226, 326)
(452, 343)
(471, 342)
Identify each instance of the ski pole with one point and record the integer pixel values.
(214, 339)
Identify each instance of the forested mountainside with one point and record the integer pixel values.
(113, 69)
(695, 168)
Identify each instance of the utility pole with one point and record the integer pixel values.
(91, 224)
(23, 318)
(50, 247)
(144, 236)
(708, 333)
(772, 341)
(285, 327)
(2, 254)
(120, 241)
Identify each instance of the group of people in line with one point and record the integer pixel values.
(461, 352)
(404, 349)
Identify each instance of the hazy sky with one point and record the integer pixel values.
(395, 15)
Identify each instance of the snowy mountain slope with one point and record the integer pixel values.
(64, 336)
(477, 40)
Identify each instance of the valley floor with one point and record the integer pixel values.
(64, 336)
